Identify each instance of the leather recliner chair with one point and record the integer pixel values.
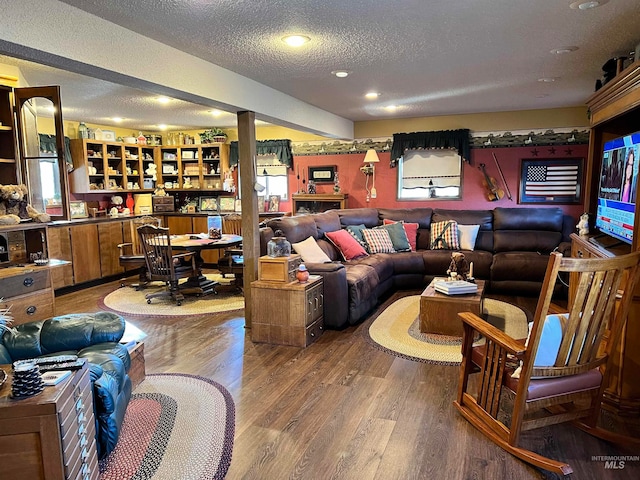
(93, 336)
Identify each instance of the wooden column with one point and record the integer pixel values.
(250, 230)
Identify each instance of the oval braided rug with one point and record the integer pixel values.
(397, 331)
(176, 426)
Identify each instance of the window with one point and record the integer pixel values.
(272, 175)
(430, 174)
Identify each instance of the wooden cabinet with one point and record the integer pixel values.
(320, 202)
(59, 243)
(8, 173)
(27, 291)
(50, 436)
(110, 235)
(107, 166)
(615, 112)
(287, 313)
(85, 250)
(198, 167)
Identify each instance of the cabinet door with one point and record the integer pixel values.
(85, 248)
(109, 236)
(8, 167)
(59, 246)
(179, 225)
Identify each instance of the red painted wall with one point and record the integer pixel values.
(474, 194)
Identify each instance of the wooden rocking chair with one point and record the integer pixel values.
(567, 387)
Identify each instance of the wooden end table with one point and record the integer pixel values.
(439, 312)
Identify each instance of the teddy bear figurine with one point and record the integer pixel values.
(583, 224)
(459, 267)
(14, 206)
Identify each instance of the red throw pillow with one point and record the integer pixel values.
(411, 229)
(348, 246)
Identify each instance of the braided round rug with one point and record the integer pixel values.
(397, 331)
(131, 302)
(176, 426)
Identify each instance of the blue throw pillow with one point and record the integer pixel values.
(356, 232)
(398, 236)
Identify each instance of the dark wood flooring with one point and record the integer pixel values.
(342, 409)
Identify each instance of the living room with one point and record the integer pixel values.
(378, 423)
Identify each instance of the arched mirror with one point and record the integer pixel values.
(43, 162)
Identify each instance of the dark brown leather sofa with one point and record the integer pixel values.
(511, 253)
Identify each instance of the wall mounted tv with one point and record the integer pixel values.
(616, 208)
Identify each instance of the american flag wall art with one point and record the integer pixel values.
(551, 181)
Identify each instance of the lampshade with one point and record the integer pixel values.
(371, 156)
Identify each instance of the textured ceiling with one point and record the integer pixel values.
(428, 57)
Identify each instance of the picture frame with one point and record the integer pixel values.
(551, 180)
(112, 184)
(109, 135)
(208, 204)
(274, 203)
(238, 205)
(78, 209)
(324, 174)
(227, 204)
(260, 203)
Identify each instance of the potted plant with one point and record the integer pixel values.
(213, 135)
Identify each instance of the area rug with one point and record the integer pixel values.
(131, 302)
(176, 426)
(397, 331)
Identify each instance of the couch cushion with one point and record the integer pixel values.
(66, 332)
(378, 241)
(398, 236)
(484, 218)
(297, 228)
(407, 263)
(327, 222)
(362, 281)
(467, 234)
(348, 246)
(356, 232)
(444, 235)
(310, 251)
(357, 216)
(410, 230)
(382, 263)
(512, 265)
(527, 229)
(436, 262)
(421, 216)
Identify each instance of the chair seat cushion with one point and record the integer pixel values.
(550, 387)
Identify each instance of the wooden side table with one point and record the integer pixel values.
(287, 313)
(439, 312)
(51, 435)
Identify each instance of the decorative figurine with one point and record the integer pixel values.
(458, 268)
(583, 224)
(302, 274)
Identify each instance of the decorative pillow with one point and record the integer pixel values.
(348, 246)
(378, 240)
(444, 235)
(411, 229)
(549, 344)
(310, 251)
(398, 236)
(467, 235)
(356, 232)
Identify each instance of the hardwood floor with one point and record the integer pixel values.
(342, 409)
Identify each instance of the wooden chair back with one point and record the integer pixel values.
(156, 247)
(137, 223)
(232, 224)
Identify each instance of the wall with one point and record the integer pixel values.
(474, 194)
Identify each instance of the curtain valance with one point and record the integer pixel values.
(455, 139)
(279, 148)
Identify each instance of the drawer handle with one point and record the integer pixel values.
(313, 334)
(28, 282)
(316, 301)
(31, 309)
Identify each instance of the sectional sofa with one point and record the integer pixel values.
(511, 251)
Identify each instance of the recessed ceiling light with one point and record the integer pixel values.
(372, 94)
(563, 50)
(163, 100)
(117, 119)
(162, 126)
(296, 40)
(391, 108)
(216, 113)
(340, 73)
(547, 79)
(587, 4)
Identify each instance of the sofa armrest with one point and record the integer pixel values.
(320, 268)
(336, 293)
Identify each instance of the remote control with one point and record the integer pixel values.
(73, 365)
(55, 359)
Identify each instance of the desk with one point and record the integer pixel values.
(196, 245)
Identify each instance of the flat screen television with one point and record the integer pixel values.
(616, 207)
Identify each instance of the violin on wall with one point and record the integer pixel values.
(493, 192)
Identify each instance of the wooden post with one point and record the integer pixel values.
(250, 230)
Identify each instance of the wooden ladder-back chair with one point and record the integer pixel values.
(164, 265)
(131, 254)
(569, 388)
(232, 262)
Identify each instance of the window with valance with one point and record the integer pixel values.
(458, 140)
(280, 148)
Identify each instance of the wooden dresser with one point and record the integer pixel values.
(287, 313)
(51, 435)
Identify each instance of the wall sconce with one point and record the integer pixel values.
(369, 169)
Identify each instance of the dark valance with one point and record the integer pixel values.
(455, 139)
(279, 148)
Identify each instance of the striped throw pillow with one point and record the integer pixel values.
(444, 235)
(378, 240)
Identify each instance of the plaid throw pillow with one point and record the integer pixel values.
(378, 240)
(444, 235)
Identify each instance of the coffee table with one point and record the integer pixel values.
(439, 312)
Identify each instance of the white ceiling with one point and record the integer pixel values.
(428, 57)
